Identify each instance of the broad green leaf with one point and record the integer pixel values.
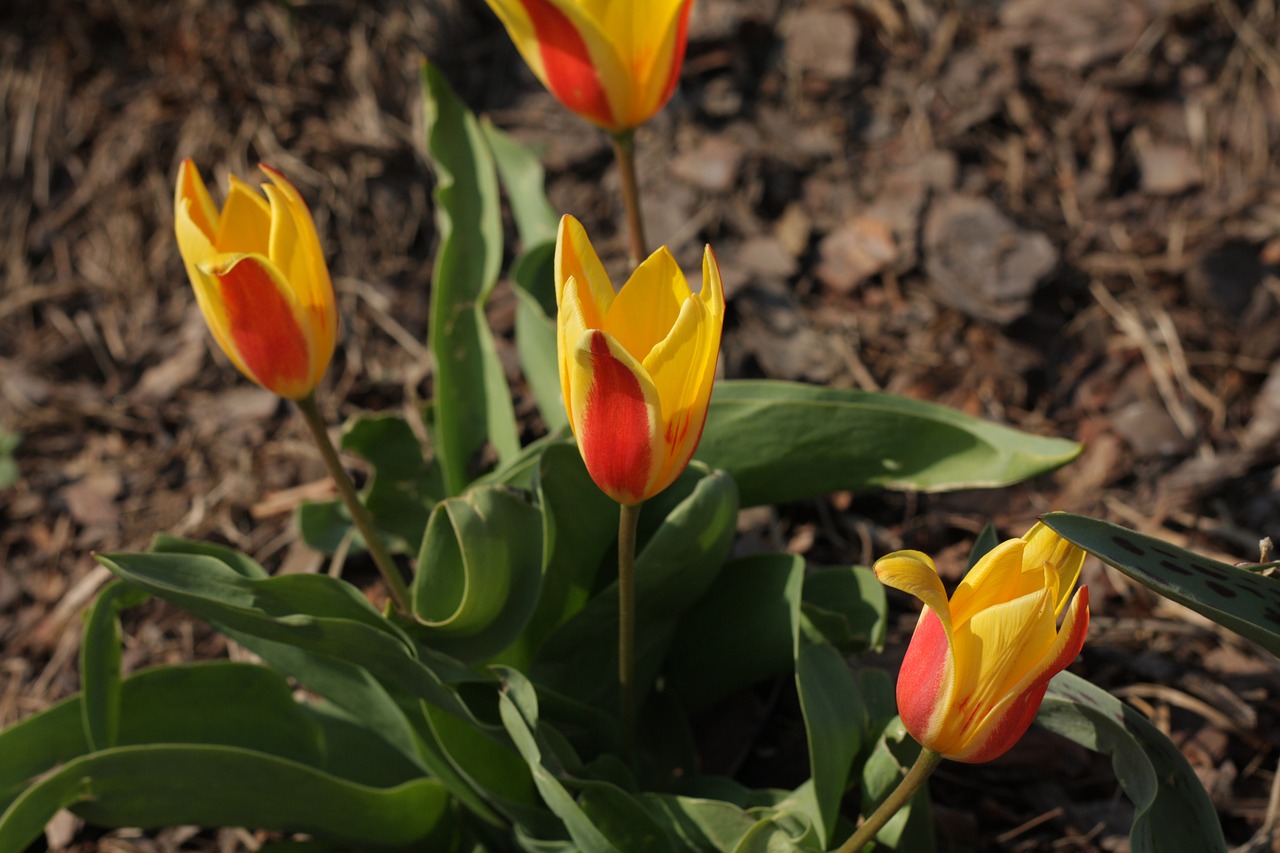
(241, 564)
(533, 277)
(524, 181)
(317, 613)
(9, 442)
(700, 825)
(834, 718)
(784, 832)
(220, 702)
(911, 829)
(472, 401)
(739, 633)
(786, 441)
(1171, 809)
(846, 607)
(403, 487)
(100, 662)
(1231, 596)
(674, 568)
(602, 818)
(174, 784)
(479, 572)
(580, 526)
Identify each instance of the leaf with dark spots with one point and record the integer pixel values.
(1233, 597)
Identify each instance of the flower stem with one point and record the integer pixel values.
(628, 518)
(360, 515)
(926, 763)
(624, 151)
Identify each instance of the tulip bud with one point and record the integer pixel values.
(636, 367)
(613, 62)
(260, 279)
(977, 667)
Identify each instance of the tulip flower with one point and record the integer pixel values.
(613, 62)
(977, 667)
(636, 366)
(260, 279)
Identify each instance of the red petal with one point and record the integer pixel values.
(571, 74)
(266, 334)
(922, 677)
(615, 437)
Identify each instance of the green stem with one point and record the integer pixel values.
(624, 151)
(628, 518)
(360, 515)
(926, 763)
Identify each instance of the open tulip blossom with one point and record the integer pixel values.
(260, 279)
(636, 367)
(977, 667)
(613, 62)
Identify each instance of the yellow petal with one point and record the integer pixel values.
(246, 222)
(191, 198)
(913, 572)
(646, 308)
(681, 365)
(1045, 547)
(576, 258)
(997, 647)
(996, 577)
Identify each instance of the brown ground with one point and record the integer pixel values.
(1060, 215)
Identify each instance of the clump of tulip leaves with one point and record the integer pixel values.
(486, 722)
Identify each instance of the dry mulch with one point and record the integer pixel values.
(1061, 216)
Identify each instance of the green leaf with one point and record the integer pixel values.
(674, 568)
(739, 633)
(1172, 810)
(533, 277)
(404, 485)
(100, 662)
(846, 607)
(472, 401)
(479, 572)
(580, 527)
(9, 472)
(172, 784)
(785, 441)
(602, 818)
(834, 718)
(700, 825)
(219, 702)
(1233, 597)
(524, 180)
(317, 613)
(911, 829)
(241, 564)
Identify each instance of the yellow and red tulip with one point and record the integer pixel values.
(260, 279)
(613, 62)
(636, 366)
(977, 667)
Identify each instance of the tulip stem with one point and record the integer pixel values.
(628, 518)
(360, 515)
(926, 763)
(624, 151)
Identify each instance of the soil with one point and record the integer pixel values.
(1060, 216)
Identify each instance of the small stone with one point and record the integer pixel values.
(854, 252)
(713, 166)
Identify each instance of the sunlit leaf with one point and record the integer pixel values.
(1233, 597)
(785, 441)
(1171, 809)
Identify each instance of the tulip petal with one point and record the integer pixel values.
(665, 70)
(192, 199)
(678, 366)
(564, 49)
(245, 223)
(913, 572)
(648, 305)
(615, 417)
(1044, 546)
(266, 339)
(996, 577)
(926, 680)
(1006, 723)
